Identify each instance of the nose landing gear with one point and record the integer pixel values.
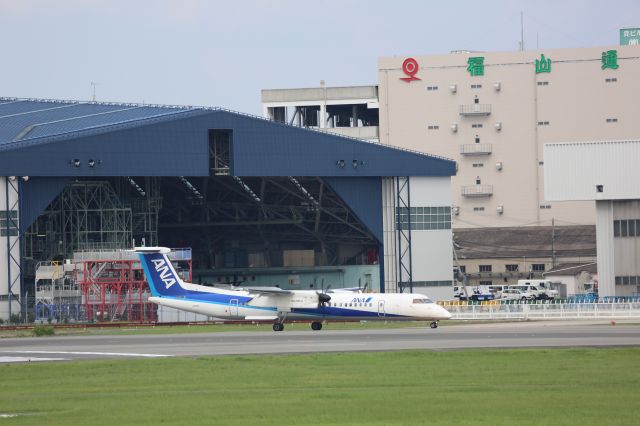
(316, 325)
(434, 324)
(278, 326)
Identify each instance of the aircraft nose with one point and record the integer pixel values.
(445, 314)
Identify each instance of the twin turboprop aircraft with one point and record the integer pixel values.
(275, 304)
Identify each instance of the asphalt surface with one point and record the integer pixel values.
(496, 335)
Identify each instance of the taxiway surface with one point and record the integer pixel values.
(498, 335)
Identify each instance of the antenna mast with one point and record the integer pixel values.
(521, 31)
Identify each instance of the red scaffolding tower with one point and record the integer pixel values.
(114, 287)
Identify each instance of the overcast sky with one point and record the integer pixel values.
(221, 53)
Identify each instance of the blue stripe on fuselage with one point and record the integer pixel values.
(212, 301)
(342, 312)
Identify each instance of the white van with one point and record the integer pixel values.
(542, 289)
(516, 294)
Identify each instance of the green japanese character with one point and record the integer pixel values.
(543, 65)
(476, 66)
(610, 59)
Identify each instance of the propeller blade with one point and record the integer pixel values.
(323, 298)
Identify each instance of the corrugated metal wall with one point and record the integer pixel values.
(573, 171)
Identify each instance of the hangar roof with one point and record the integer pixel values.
(25, 119)
(45, 137)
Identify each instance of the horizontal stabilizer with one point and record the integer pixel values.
(163, 250)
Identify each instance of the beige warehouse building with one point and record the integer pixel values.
(492, 112)
(492, 119)
(496, 124)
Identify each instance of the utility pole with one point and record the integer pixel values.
(553, 243)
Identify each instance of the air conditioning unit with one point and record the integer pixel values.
(498, 125)
(497, 85)
(453, 88)
(456, 210)
(500, 209)
(454, 127)
(499, 165)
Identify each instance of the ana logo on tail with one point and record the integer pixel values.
(165, 273)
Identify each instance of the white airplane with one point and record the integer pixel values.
(275, 304)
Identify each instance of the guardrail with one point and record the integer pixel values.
(475, 109)
(476, 190)
(545, 311)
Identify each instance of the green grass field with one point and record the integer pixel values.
(557, 386)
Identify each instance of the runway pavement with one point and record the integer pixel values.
(497, 335)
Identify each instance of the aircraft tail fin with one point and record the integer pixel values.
(161, 275)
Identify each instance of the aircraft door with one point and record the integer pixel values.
(381, 312)
(233, 308)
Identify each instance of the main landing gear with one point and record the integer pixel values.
(434, 324)
(316, 325)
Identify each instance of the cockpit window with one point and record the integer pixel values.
(425, 300)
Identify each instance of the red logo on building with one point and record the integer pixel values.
(410, 68)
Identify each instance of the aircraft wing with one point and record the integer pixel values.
(346, 290)
(265, 290)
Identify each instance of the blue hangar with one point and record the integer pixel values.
(250, 196)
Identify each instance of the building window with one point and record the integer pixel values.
(476, 86)
(543, 123)
(433, 127)
(545, 206)
(611, 80)
(612, 120)
(478, 164)
(477, 139)
(430, 88)
(628, 280)
(484, 268)
(478, 209)
(476, 126)
(512, 268)
(486, 282)
(476, 100)
(463, 268)
(8, 223)
(537, 267)
(626, 228)
(424, 218)
(543, 83)
(478, 181)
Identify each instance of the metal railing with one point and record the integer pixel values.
(545, 311)
(476, 149)
(477, 190)
(475, 109)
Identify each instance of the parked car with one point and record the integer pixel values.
(515, 294)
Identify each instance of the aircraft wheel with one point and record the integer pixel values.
(278, 326)
(316, 325)
(434, 324)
